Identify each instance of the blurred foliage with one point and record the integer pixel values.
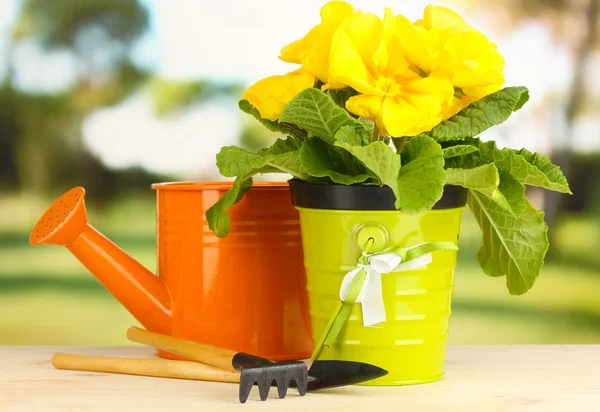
(60, 23)
(41, 142)
(41, 133)
(584, 181)
(8, 139)
(172, 95)
(41, 150)
(255, 136)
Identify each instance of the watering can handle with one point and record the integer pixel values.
(199, 352)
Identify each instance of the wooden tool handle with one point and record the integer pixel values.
(211, 355)
(162, 368)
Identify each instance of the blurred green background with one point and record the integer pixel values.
(114, 95)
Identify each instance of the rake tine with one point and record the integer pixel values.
(263, 386)
(282, 385)
(245, 386)
(302, 381)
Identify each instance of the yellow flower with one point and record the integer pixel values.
(270, 95)
(312, 51)
(443, 45)
(366, 55)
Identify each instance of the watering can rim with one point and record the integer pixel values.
(216, 185)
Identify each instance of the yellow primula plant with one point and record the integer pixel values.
(384, 101)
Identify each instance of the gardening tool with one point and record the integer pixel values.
(161, 368)
(192, 297)
(321, 375)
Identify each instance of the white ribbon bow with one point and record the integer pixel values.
(371, 294)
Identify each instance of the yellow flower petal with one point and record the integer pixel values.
(365, 106)
(413, 44)
(296, 51)
(457, 104)
(418, 108)
(468, 45)
(478, 92)
(270, 95)
(436, 88)
(351, 60)
(400, 117)
(333, 13)
(442, 45)
(477, 61)
(312, 51)
(441, 17)
(389, 57)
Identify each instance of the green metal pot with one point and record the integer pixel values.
(411, 343)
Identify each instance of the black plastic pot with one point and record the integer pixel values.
(356, 197)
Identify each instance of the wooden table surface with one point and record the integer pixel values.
(478, 378)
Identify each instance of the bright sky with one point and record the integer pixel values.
(240, 41)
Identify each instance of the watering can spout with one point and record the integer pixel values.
(139, 290)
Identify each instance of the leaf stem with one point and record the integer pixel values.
(399, 143)
(375, 135)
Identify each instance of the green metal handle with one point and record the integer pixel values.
(342, 311)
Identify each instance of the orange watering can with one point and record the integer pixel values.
(245, 292)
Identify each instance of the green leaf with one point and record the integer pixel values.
(322, 160)
(341, 96)
(422, 176)
(524, 171)
(290, 163)
(380, 159)
(353, 136)
(279, 127)
(280, 146)
(483, 179)
(514, 244)
(283, 156)
(233, 161)
(481, 115)
(217, 216)
(553, 177)
(315, 111)
(458, 150)
(522, 165)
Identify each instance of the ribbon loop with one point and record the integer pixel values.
(393, 259)
(363, 284)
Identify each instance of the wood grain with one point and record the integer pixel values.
(211, 355)
(162, 368)
(478, 378)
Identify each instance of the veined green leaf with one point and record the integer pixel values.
(217, 216)
(321, 160)
(514, 244)
(422, 176)
(380, 159)
(290, 163)
(233, 161)
(483, 179)
(283, 157)
(353, 136)
(277, 126)
(553, 177)
(315, 111)
(458, 150)
(288, 144)
(481, 115)
(522, 165)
